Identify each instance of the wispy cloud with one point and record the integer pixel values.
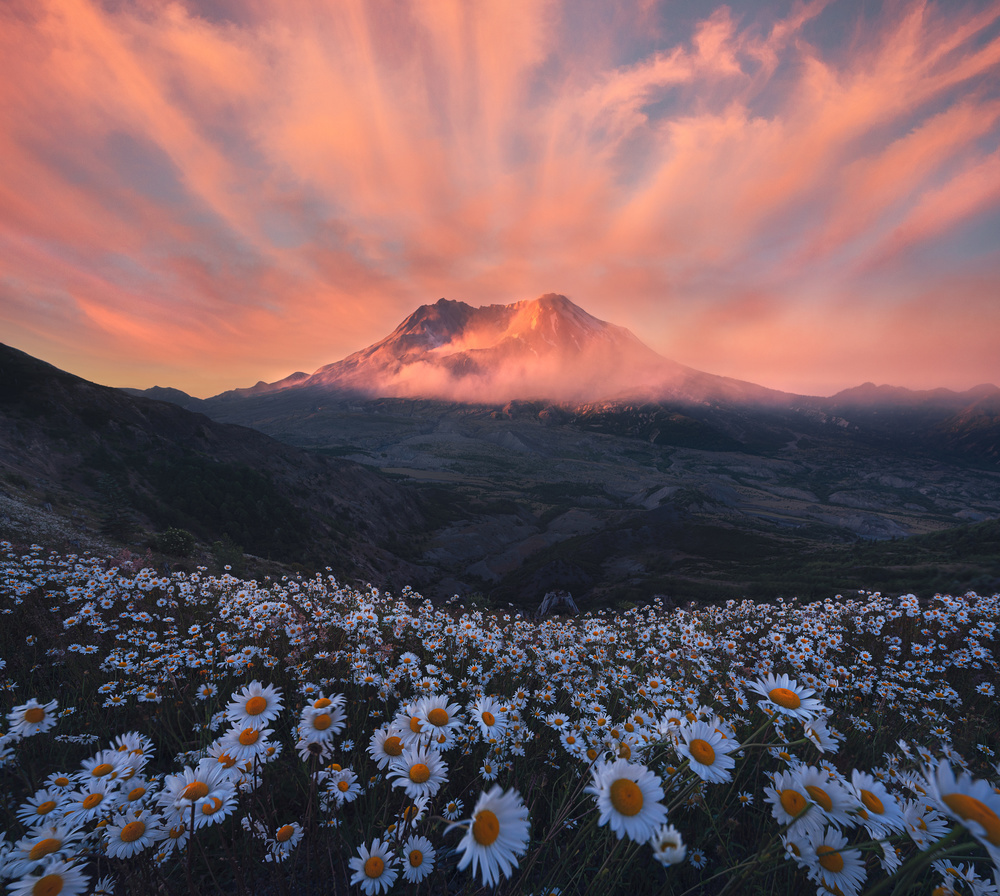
(244, 189)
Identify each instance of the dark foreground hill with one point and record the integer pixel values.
(135, 466)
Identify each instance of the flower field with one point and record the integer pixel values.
(190, 733)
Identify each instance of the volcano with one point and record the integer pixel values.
(546, 348)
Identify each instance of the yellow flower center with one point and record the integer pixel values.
(61, 781)
(212, 806)
(132, 831)
(784, 697)
(438, 716)
(624, 751)
(416, 858)
(343, 786)
(45, 808)
(591, 754)
(49, 885)
(970, 809)
(249, 736)
(225, 760)
(821, 796)
(374, 867)
(136, 793)
(626, 796)
(702, 751)
(34, 715)
(322, 721)
(255, 706)
(105, 768)
(393, 746)
(485, 828)
(872, 803)
(322, 703)
(792, 801)
(830, 859)
(284, 833)
(195, 791)
(415, 725)
(489, 718)
(92, 800)
(43, 848)
(176, 832)
(419, 773)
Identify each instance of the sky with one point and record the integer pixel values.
(207, 193)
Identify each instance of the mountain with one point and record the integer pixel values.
(546, 348)
(134, 466)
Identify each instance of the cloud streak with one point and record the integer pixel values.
(216, 192)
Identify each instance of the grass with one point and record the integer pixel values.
(160, 662)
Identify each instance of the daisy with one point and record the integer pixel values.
(31, 718)
(668, 845)
(453, 810)
(60, 877)
(385, 745)
(792, 805)
(286, 838)
(374, 868)
(419, 771)
(839, 870)
(98, 797)
(628, 796)
(972, 803)
(322, 722)
(40, 845)
(441, 720)
(491, 718)
(39, 809)
(829, 794)
(343, 786)
(195, 788)
(707, 751)
(130, 833)
(418, 859)
(788, 697)
(240, 745)
(255, 705)
(880, 811)
(497, 833)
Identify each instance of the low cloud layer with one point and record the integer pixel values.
(204, 194)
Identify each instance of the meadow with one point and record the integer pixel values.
(197, 733)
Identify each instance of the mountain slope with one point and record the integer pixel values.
(154, 464)
(546, 348)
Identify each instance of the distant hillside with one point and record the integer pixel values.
(140, 465)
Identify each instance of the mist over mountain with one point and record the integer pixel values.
(541, 349)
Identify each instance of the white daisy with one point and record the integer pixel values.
(60, 877)
(628, 797)
(707, 751)
(419, 771)
(385, 745)
(374, 869)
(490, 716)
(255, 705)
(668, 845)
(130, 833)
(788, 697)
(972, 803)
(497, 832)
(32, 718)
(836, 868)
(418, 859)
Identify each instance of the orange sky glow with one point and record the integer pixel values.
(207, 193)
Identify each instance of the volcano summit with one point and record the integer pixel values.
(541, 349)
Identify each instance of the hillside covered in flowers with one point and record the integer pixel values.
(197, 733)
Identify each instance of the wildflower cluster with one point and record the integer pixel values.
(165, 730)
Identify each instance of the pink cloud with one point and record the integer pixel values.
(278, 184)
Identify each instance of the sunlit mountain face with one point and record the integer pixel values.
(545, 348)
